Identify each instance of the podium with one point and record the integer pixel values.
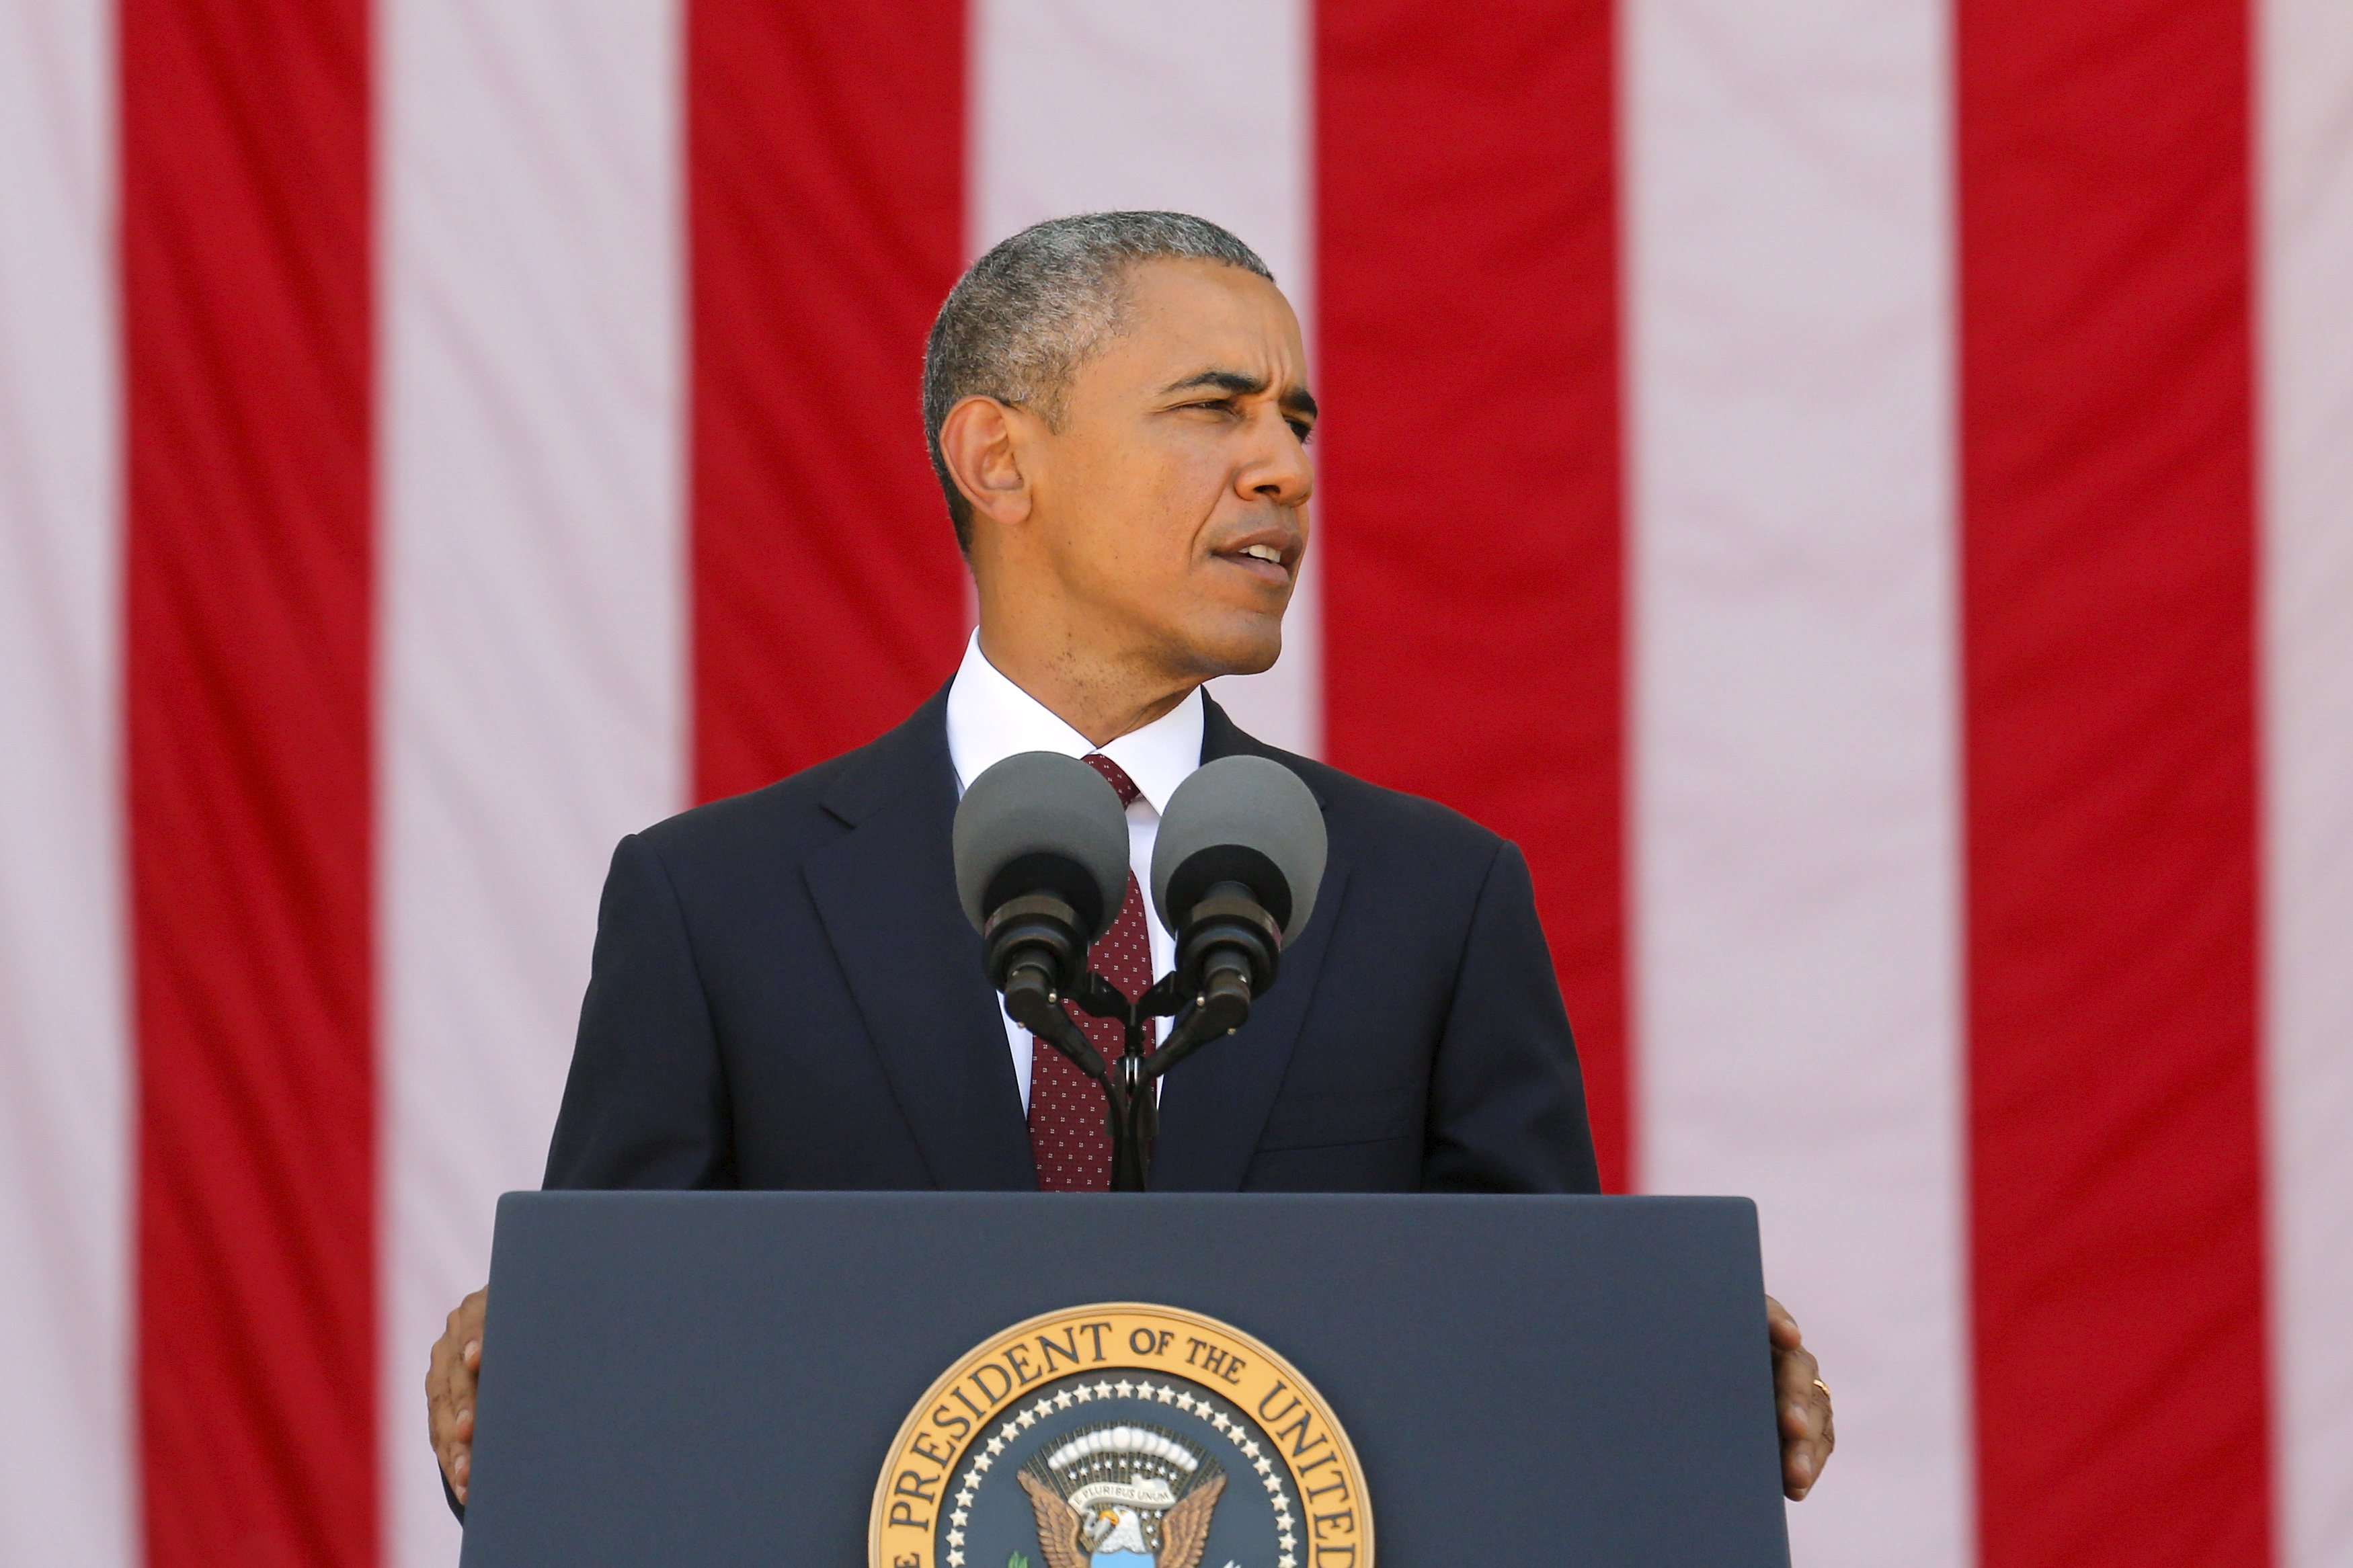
(1479, 1382)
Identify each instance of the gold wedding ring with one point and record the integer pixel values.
(1823, 1387)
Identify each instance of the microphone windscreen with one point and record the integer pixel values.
(1241, 819)
(1041, 822)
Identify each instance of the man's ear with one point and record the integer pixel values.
(981, 441)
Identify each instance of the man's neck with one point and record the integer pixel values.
(1101, 698)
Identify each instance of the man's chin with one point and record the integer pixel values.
(1238, 651)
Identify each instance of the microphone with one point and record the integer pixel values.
(1040, 846)
(1235, 872)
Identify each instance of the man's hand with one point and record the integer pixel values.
(1807, 1433)
(449, 1390)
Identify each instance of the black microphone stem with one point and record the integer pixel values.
(1132, 1105)
(1132, 1109)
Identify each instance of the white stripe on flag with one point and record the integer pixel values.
(1796, 795)
(2306, 104)
(66, 1489)
(1203, 108)
(532, 556)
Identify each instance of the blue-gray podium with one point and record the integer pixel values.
(716, 1379)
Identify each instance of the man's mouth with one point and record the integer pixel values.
(1269, 561)
(1262, 561)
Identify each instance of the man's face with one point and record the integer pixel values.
(1171, 504)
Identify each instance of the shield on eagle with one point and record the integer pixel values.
(1123, 1495)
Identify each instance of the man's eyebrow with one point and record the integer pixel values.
(1295, 399)
(1239, 382)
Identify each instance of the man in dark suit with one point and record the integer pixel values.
(785, 991)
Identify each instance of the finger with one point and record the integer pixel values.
(442, 1422)
(448, 1433)
(1802, 1457)
(1808, 1438)
(449, 1382)
(1801, 1467)
(439, 1408)
(1781, 1326)
(458, 1425)
(464, 1335)
(1793, 1389)
(458, 1459)
(464, 1325)
(1794, 1372)
(471, 1316)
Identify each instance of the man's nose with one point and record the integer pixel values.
(1280, 471)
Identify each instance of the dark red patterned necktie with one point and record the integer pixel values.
(1067, 1126)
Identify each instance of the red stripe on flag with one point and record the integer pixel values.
(2108, 572)
(826, 222)
(245, 274)
(1467, 283)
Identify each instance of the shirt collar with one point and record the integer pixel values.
(990, 718)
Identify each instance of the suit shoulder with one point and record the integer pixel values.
(814, 806)
(1370, 810)
(789, 815)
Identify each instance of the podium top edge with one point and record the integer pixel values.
(894, 1198)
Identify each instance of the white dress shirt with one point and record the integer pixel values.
(990, 718)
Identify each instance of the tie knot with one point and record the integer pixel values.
(1115, 776)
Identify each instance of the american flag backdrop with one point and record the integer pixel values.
(1860, 490)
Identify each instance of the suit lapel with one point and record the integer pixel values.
(1214, 1105)
(886, 892)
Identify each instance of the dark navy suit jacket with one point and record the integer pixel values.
(785, 993)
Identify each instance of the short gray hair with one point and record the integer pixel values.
(1024, 317)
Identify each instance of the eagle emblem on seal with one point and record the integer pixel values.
(1120, 1496)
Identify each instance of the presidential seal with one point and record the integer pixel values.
(1121, 1436)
